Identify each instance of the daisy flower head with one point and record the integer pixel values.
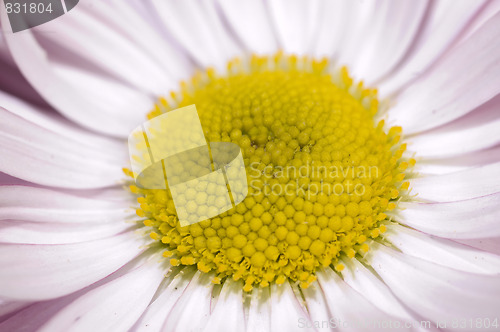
(363, 187)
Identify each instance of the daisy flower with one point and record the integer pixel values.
(406, 90)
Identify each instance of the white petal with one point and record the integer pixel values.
(191, 311)
(54, 122)
(332, 19)
(295, 23)
(317, 307)
(373, 289)
(251, 23)
(47, 205)
(198, 28)
(115, 305)
(349, 308)
(84, 34)
(90, 29)
(442, 26)
(458, 163)
(38, 155)
(33, 215)
(467, 184)
(21, 232)
(287, 314)
(35, 314)
(158, 310)
(440, 251)
(228, 315)
(357, 16)
(38, 272)
(468, 219)
(94, 101)
(435, 292)
(259, 313)
(152, 39)
(477, 130)
(464, 79)
(121, 107)
(387, 36)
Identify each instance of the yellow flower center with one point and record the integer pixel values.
(321, 172)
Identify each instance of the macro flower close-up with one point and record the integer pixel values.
(254, 165)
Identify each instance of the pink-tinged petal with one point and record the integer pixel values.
(39, 272)
(91, 99)
(44, 205)
(90, 29)
(365, 282)
(488, 11)
(8, 308)
(468, 219)
(295, 23)
(251, 23)
(459, 163)
(436, 292)
(349, 308)
(198, 28)
(387, 36)
(442, 27)
(259, 312)
(22, 232)
(441, 251)
(8, 180)
(467, 184)
(475, 131)
(4, 51)
(35, 315)
(192, 310)
(115, 305)
(54, 122)
(38, 155)
(317, 307)
(112, 195)
(468, 76)
(287, 314)
(13, 82)
(158, 310)
(228, 314)
(491, 245)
